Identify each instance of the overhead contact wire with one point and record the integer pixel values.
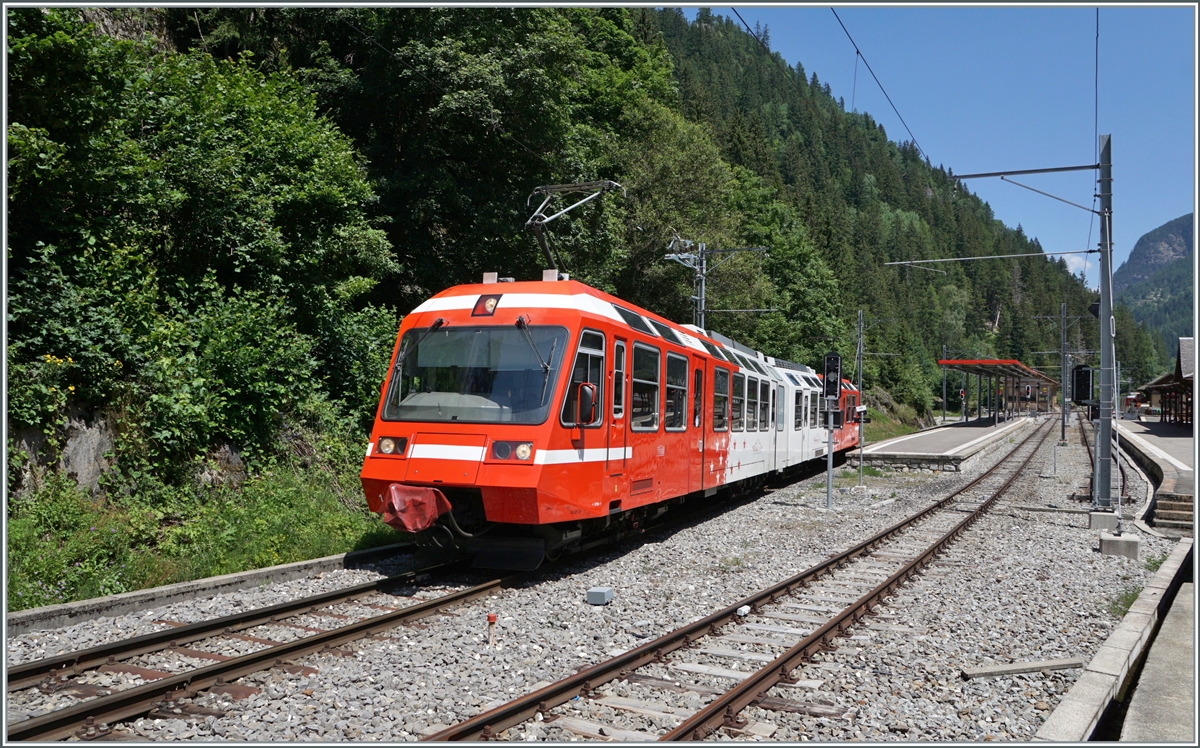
(881, 88)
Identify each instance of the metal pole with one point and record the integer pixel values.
(1117, 439)
(1063, 392)
(862, 439)
(830, 403)
(703, 275)
(993, 403)
(1103, 492)
(944, 384)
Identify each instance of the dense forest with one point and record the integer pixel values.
(217, 218)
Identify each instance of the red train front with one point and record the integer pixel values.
(522, 419)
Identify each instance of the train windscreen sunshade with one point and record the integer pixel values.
(666, 332)
(636, 321)
(715, 351)
(476, 375)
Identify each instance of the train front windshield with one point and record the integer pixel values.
(476, 375)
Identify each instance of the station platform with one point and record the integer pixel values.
(1171, 446)
(1163, 706)
(941, 448)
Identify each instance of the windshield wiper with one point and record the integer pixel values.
(523, 326)
(437, 325)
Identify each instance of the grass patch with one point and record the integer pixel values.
(1120, 604)
(884, 426)
(1154, 563)
(63, 546)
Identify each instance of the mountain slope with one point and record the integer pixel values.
(1156, 281)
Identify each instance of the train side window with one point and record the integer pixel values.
(618, 380)
(675, 408)
(697, 396)
(798, 421)
(737, 423)
(644, 409)
(764, 406)
(589, 367)
(720, 404)
(751, 404)
(780, 409)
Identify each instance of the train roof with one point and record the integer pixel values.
(572, 294)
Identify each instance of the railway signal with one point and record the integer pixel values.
(832, 389)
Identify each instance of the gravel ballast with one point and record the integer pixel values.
(1020, 586)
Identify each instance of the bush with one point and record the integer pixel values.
(63, 547)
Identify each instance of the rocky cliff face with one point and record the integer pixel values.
(1168, 243)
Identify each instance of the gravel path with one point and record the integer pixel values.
(1022, 585)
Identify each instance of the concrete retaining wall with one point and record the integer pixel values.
(68, 614)
(906, 462)
(1077, 715)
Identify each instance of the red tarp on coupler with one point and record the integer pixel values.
(413, 508)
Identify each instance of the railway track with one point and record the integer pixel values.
(773, 631)
(211, 640)
(359, 617)
(1086, 439)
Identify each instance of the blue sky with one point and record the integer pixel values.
(995, 88)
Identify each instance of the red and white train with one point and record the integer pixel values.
(519, 420)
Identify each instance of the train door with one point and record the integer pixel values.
(697, 427)
(805, 428)
(781, 436)
(618, 425)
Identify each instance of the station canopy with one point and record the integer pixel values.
(996, 367)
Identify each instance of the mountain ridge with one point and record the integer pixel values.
(1155, 282)
(1168, 243)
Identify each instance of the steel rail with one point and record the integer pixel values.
(34, 672)
(487, 725)
(1092, 461)
(136, 701)
(724, 711)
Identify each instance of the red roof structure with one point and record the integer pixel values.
(992, 367)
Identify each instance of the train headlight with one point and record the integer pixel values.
(485, 306)
(392, 446)
(512, 450)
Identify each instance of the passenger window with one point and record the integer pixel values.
(764, 405)
(720, 409)
(814, 399)
(799, 417)
(697, 397)
(751, 404)
(675, 412)
(589, 367)
(618, 381)
(644, 410)
(739, 402)
(779, 409)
